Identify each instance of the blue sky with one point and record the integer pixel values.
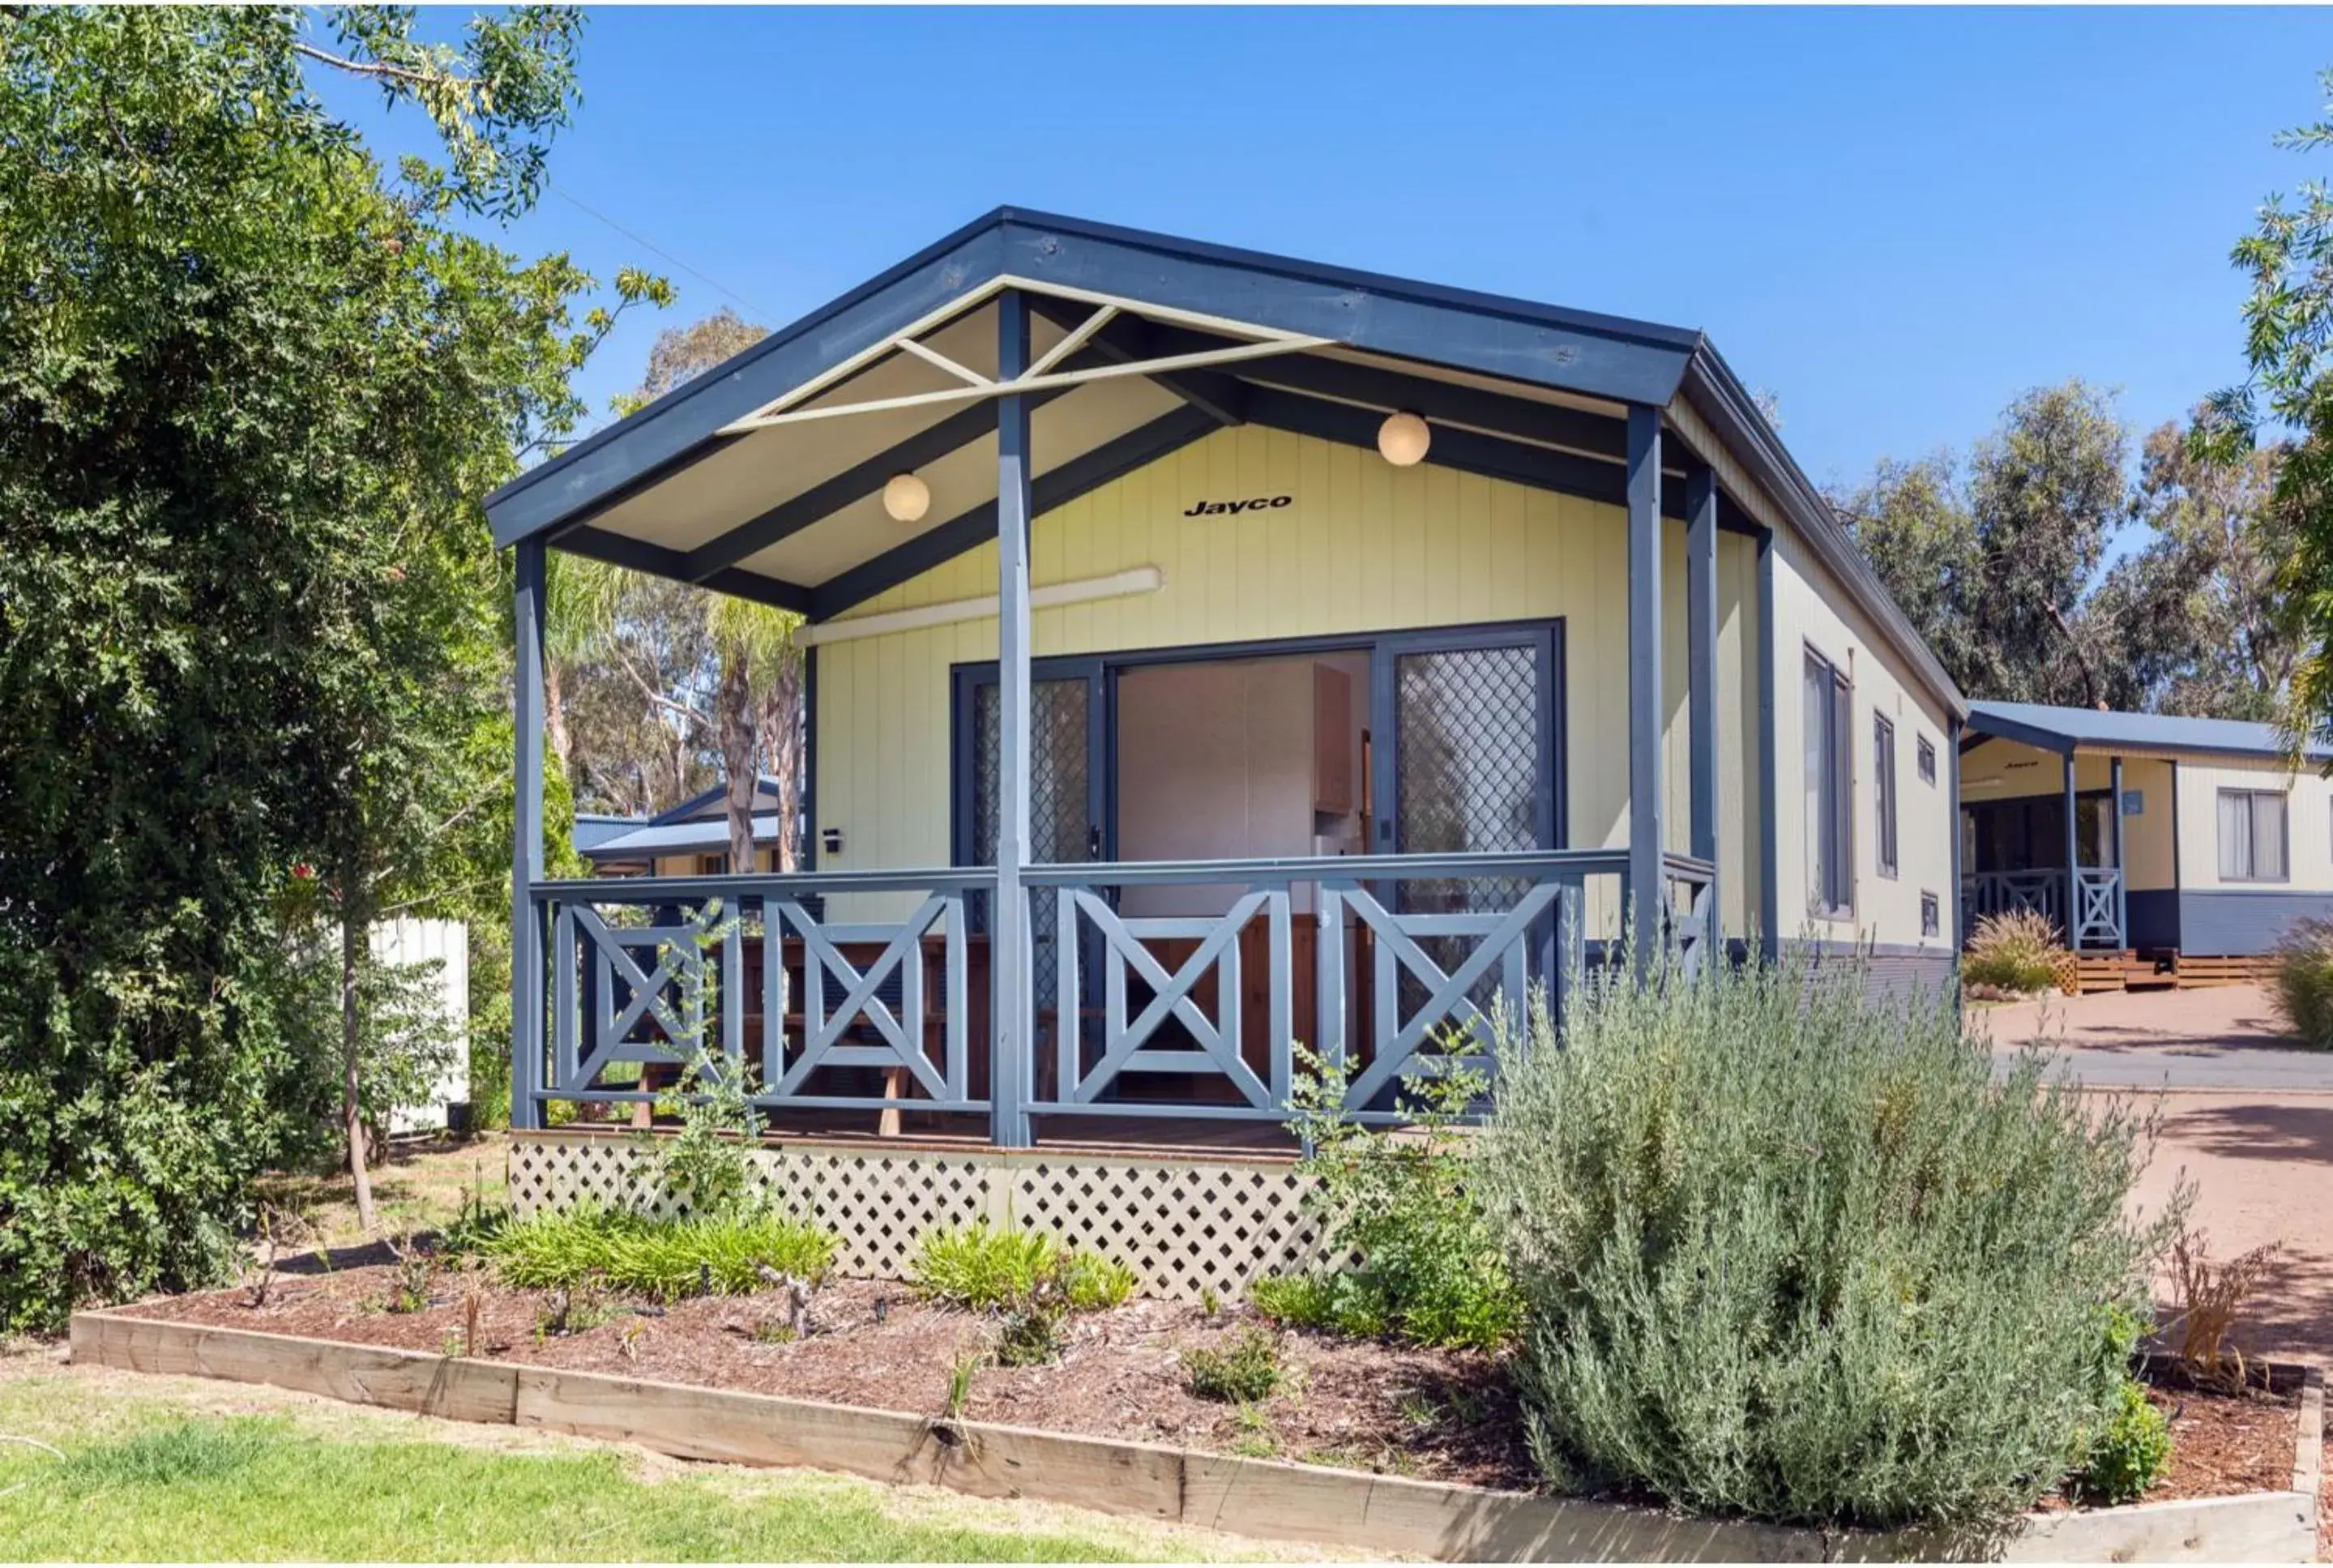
(1894, 221)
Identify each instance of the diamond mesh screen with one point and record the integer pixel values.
(1466, 724)
(1059, 774)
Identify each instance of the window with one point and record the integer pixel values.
(1829, 788)
(1932, 918)
(2252, 836)
(1927, 760)
(1883, 779)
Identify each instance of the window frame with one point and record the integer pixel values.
(1931, 914)
(1924, 759)
(2252, 797)
(1884, 797)
(1830, 878)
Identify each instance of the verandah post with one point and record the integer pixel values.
(1645, 696)
(2073, 867)
(1012, 974)
(1701, 678)
(526, 840)
(2122, 875)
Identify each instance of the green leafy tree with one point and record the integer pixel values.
(738, 700)
(2199, 624)
(252, 385)
(1993, 561)
(2287, 332)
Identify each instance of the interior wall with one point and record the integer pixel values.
(1215, 762)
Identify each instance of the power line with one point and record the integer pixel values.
(646, 244)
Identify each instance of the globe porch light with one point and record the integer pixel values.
(906, 498)
(1403, 439)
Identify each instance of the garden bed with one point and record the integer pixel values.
(1435, 1416)
(1441, 1414)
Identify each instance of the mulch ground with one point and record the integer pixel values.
(1362, 1405)
(1439, 1414)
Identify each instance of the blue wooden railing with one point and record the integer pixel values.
(1373, 961)
(2097, 897)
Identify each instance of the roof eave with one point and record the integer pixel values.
(1720, 398)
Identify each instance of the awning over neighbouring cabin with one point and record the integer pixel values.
(765, 477)
(2071, 730)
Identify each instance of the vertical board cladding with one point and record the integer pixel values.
(1360, 546)
(1999, 769)
(1812, 612)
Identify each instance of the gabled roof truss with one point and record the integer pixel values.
(1043, 374)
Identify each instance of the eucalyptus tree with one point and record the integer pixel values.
(752, 711)
(1993, 557)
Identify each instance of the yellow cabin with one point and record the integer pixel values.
(1211, 653)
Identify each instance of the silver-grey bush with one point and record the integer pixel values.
(1785, 1251)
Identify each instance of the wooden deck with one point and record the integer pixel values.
(927, 1131)
(2090, 974)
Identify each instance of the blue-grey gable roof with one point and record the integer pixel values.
(1575, 350)
(1606, 356)
(2067, 729)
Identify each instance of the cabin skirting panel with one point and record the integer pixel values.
(2243, 922)
(1188, 1227)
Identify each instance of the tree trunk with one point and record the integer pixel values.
(737, 749)
(782, 735)
(354, 932)
(554, 716)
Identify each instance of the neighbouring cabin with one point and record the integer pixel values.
(1209, 653)
(2179, 841)
(689, 840)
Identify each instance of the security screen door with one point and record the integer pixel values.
(1472, 769)
(1065, 790)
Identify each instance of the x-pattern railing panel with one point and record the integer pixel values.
(670, 998)
(1126, 1043)
(2100, 915)
(649, 992)
(826, 1035)
(1502, 941)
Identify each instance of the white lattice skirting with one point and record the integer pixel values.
(1187, 1227)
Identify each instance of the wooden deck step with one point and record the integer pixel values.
(2193, 970)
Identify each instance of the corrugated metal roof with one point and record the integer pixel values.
(675, 838)
(2086, 728)
(593, 829)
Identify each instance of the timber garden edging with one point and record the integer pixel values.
(1263, 1498)
(1189, 1226)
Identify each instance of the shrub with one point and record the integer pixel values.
(1787, 1250)
(2210, 1296)
(2302, 981)
(668, 1258)
(1403, 1202)
(2127, 1456)
(1030, 1335)
(1344, 1303)
(1092, 1282)
(2014, 952)
(979, 1266)
(1243, 1372)
(984, 1269)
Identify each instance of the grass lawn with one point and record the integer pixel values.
(420, 1187)
(178, 1468)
